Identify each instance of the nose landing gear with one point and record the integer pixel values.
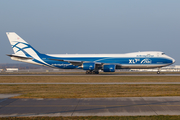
(158, 72)
(92, 72)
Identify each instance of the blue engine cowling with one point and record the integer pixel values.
(109, 68)
(88, 66)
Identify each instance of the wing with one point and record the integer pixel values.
(74, 62)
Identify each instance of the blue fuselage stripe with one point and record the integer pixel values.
(109, 60)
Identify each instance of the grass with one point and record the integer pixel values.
(86, 79)
(158, 117)
(90, 91)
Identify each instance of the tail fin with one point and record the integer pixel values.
(20, 47)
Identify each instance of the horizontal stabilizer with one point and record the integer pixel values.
(20, 57)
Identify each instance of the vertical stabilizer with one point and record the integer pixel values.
(20, 47)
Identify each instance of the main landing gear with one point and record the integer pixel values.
(92, 72)
(158, 72)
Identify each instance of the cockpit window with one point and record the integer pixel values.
(163, 53)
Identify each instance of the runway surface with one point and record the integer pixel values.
(125, 106)
(105, 83)
(90, 75)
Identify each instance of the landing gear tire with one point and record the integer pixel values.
(97, 72)
(88, 72)
(158, 72)
(92, 72)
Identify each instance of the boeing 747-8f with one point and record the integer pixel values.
(92, 63)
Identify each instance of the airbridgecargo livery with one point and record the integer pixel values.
(92, 63)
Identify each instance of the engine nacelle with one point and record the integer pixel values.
(88, 66)
(109, 68)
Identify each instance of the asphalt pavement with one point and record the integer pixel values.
(122, 106)
(89, 75)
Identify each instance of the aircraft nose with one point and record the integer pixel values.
(173, 60)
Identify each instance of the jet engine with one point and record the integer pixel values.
(109, 68)
(88, 66)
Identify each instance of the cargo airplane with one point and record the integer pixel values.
(92, 63)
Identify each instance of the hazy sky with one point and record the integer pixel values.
(92, 26)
